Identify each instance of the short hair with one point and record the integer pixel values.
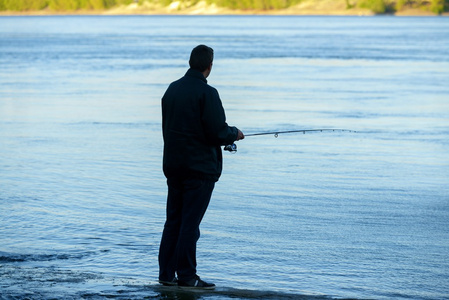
(201, 57)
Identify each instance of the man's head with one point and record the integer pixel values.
(201, 58)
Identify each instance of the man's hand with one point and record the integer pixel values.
(240, 135)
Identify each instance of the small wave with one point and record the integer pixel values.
(21, 282)
(13, 257)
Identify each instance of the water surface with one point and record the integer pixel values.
(314, 216)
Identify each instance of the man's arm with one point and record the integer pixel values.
(216, 129)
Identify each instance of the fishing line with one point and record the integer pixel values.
(233, 148)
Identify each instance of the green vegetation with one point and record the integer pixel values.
(439, 6)
(390, 6)
(59, 5)
(255, 4)
(376, 6)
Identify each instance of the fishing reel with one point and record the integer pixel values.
(231, 148)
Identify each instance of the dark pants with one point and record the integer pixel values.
(187, 202)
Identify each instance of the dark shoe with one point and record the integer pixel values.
(196, 283)
(173, 282)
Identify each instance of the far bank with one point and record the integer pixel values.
(305, 7)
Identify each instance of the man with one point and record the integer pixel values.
(194, 127)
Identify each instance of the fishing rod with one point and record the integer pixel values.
(276, 133)
(233, 147)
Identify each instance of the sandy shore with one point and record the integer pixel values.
(308, 7)
(326, 7)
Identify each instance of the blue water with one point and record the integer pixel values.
(322, 215)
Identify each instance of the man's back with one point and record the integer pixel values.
(194, 126)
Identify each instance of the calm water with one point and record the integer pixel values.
(301, 216)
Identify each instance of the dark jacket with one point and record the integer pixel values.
(194, 127)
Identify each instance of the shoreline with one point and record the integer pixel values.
(230, 13)
(306, 8)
